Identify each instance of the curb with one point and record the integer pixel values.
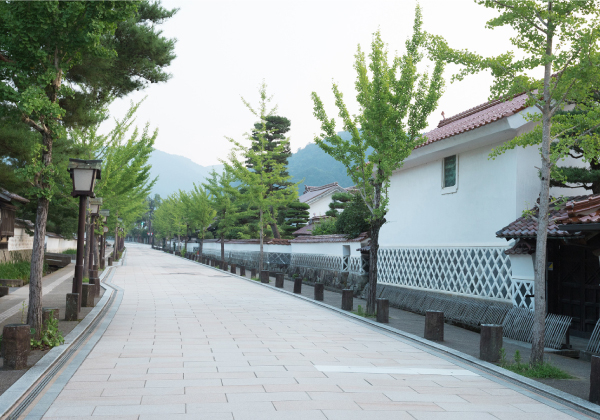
(568, 400)
(11, 397)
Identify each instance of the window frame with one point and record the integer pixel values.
(453, 188)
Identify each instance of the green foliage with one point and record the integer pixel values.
(361, 312)
(395, 101)
(265, 184)
(70, 251)
(324, 227)
(339, 201)
(545, 370)
(354, 220)
(224, 198)
(296, 217)
(19, 270)
(51, 336)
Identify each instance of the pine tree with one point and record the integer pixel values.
(296, 217)
(339, 201)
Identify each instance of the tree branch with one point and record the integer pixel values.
(33, 124)
(528, 20)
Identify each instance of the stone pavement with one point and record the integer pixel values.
(190, 342)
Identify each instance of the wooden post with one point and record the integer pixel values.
(383, 311)
(434, 325)
(319, 291)
(347, 299)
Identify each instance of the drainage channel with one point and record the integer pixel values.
(35, 392)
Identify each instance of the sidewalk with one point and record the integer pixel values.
(190, 342)
(55, 287)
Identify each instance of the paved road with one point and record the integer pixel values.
(189, 342)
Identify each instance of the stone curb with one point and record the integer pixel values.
(563, 398)
(14, 394)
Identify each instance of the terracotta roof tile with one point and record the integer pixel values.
(475, 117)
(304, 230)
(583, 211)
(527, 227)
(329, 238)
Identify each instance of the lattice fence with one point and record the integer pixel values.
(484, 272)
(249, 259)
(330, 262)
(522, 292)
(594, 343)
(518, 325)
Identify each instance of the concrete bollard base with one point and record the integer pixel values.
(297, 286)
(71, 311)
(383, 311)
(233, 269)
(16, 343)
(279, 280)
(4, 291)
(347, 299)
(49, 313)
(319, 291)
(434, 325)
(490, 342)
(264, 276)
(253, 273)
(87, 295)
(242, 271)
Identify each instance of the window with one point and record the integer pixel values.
(450, 173)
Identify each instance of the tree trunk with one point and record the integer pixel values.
(201, 245)
(274, 227)
(260, 253)
(372, 296)
(34, 311)
(187, 228)
(539, 319)
(96, 251)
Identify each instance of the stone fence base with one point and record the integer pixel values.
(333, 280)
(20, 255)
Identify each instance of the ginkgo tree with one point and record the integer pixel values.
(556, 63)
(395, 99)
(258, 168)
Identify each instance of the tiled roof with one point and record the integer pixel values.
(475, 117)
(527, 227)
(266, 241)
(305, 230)
(8, 196)
(522, 247)
(24, 223)
(53, 235)
(583, 211)
(329, 238)
(308, 188)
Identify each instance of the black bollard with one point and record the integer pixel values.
(71, 311)
(490, 342)
(279, 280)
(16, 343)
(233, 269)
(264, 276)
(347, 299)
(383, 311)
(297, 285)
(319, 291)
(434, 325)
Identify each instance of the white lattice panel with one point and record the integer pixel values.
(357, 265)
(473, 271)
(521, 292)
(328, 262)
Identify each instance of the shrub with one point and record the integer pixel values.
(70, 251)
(18, 270)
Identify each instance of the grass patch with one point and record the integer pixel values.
(70, 251)
(254, 278)
(361, 312)
(86, 280)
(18, 270)
(544, 371)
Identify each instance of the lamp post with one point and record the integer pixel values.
(95, 204)
(84, 174)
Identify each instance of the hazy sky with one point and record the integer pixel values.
(226, 48)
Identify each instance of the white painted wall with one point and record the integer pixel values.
(58, 245)
(20, 241)
(320, 206)
(490, 193)
(284, 249)
(522, 267)
(336, 248)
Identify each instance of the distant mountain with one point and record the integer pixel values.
(310, 165)
(177, 173)
(316, 168)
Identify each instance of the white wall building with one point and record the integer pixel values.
(449, 199)
(318, 198)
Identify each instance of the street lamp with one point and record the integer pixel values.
(84, 174)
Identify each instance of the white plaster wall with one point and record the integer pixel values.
(20, 241)
(522, 267)
(326, 248)
(320, 206)
(484, 202)
(284, 249)
(53, 245)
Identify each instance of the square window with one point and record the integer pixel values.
(449, 172)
